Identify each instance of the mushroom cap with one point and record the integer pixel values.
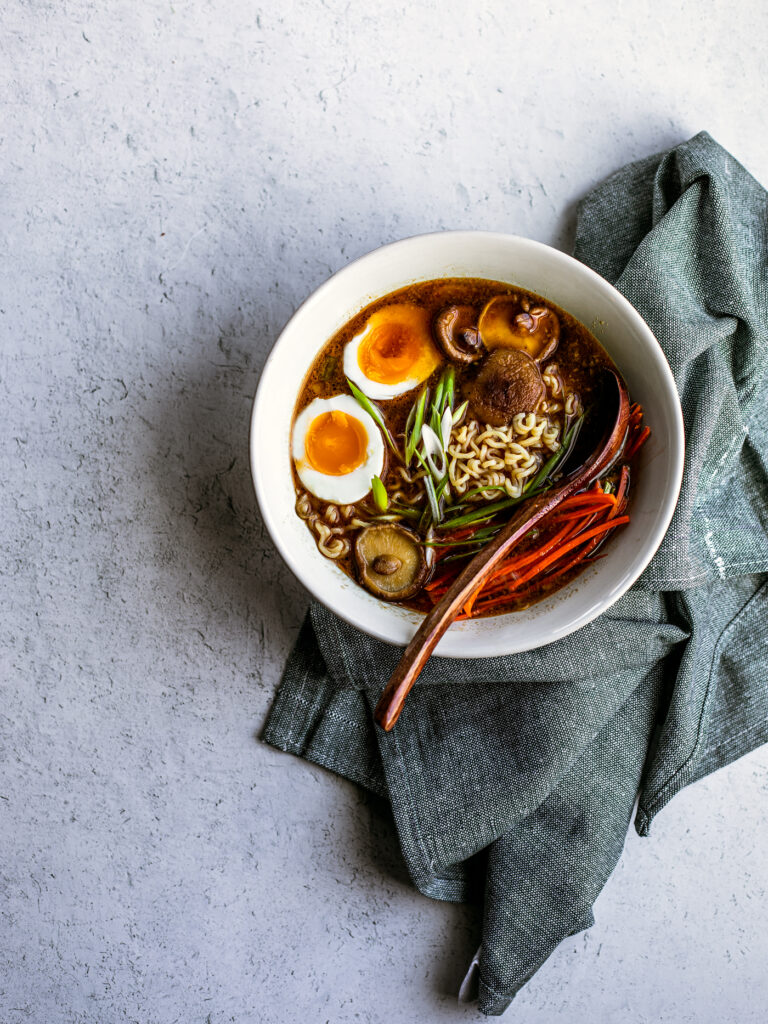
(455, 330)
(509, 382)
(390, 561)
(505, 324)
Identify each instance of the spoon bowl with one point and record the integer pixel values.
(560, 279)
(420, 648)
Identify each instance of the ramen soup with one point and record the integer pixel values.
(431, 417)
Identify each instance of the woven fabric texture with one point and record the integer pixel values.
(516, 777)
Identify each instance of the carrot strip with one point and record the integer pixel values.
(570, 516)
(437, 581)
(586, 498)
(576, 533)
(576, 542)
(581, 560)
(585, 510)
(581, 557)
(498, 589)
(516, 563)
(637, 443)
(539, 575)
(502, 585)
(621, 492)
(485, 604)
(621, 503)
(498, 580)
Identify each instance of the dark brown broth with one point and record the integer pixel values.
(579, 357)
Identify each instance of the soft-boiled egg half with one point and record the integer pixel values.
(393, 353)
(337, 449)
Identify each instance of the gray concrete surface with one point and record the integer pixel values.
(175, 179)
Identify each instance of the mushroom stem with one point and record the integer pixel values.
(455, 330)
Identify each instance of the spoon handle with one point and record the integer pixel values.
(425, 639)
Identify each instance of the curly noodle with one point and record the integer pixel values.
(494, 458)
(482, 456)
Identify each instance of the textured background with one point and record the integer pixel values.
(175, 179)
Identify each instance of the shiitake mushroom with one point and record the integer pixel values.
(507, 323)
(509, 382)
(455, 330)
(390, 561)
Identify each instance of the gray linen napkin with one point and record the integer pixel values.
(537, 759)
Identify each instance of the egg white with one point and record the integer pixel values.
(352, 486)
(429, 359)
(371, 388)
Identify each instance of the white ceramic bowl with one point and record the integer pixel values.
(538, 268)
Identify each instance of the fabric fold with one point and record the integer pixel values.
(516, 777)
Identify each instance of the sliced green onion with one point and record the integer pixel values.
(478, 537)
(374, 413)
(448, 392)
(458, 415)
(442, 489)
(409, 422)
(380, 496)
(407, 513)
(483, 513)
(446, 426)
(425, 520)
(470, 519)
(422, 460)
(469, 542)
(433, 449)
(436, 407)
(434, 507)
(412, 441)
(552, 463)
(457, 556)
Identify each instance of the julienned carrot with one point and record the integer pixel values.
(581, 511)
(486, 603)
(592, 498)
(439, 580)
(586, 498)
(495, 592)
(512, 566)
(506, 568)
(498, 581)
(576, 542)
(621, 492)
(637, 443)
(620, 503)
(569, 517)
(581, 556)
(578, 561)
(516, 563)
(637, 434)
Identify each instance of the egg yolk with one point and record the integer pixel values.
(335, 443)
(398, 346)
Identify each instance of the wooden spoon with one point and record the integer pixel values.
(420, 648)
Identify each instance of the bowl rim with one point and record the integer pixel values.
(469, 648)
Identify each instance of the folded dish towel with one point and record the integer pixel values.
(537, 758)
